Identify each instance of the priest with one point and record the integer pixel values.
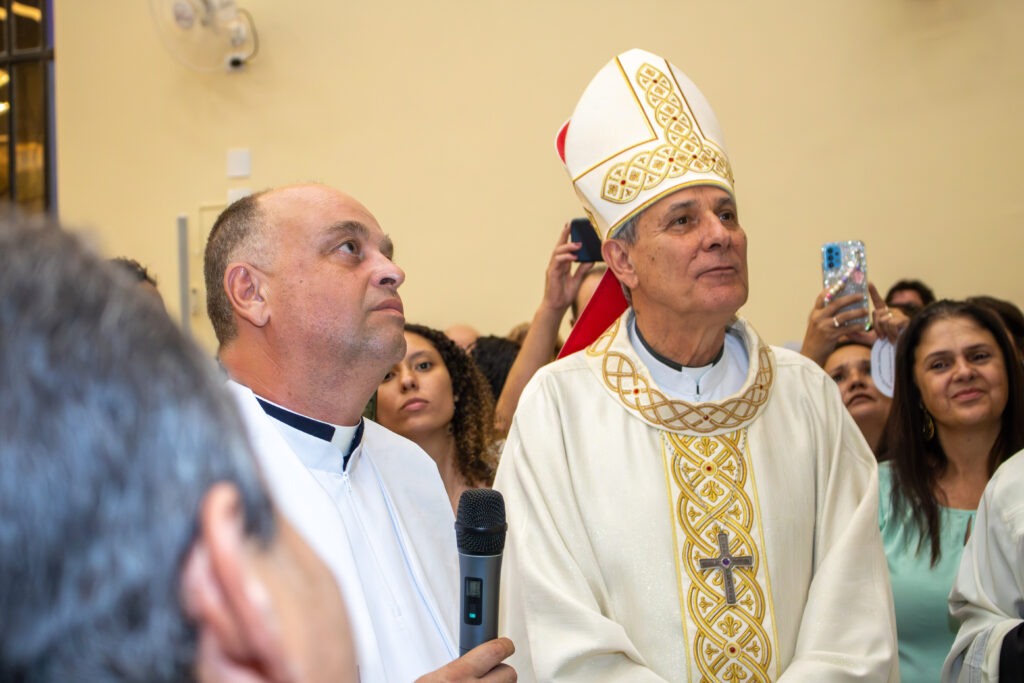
(303, 295)
(686, 502)
(988, 594)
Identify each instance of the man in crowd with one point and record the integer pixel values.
(909, 296)
(685, 502)
(303, 295)
(140, 274)
(136, 540)
(463, 335)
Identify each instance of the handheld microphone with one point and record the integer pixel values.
(480, 531)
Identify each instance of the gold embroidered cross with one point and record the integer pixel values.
(726, 562)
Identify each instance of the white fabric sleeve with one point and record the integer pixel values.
(848, 629)
(552, 589)
(988, 594)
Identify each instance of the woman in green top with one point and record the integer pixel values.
(956, 415)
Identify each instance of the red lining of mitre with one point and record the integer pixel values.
(560, 141)
(604, 308)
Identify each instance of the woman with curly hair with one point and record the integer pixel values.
(957, 413)
(438, 398)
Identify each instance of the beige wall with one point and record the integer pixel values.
(891, 121)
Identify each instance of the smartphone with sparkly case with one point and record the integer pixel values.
(844, 269)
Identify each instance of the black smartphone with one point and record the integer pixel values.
(581, 230)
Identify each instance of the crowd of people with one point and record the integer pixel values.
(685, 501)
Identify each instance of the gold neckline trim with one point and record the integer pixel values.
(628, 381)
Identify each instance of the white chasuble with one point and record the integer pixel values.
(653, 539)
(988, 594)
(379, 518)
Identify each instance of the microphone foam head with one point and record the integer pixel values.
(480, 523)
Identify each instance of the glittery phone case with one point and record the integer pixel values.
(844, 269)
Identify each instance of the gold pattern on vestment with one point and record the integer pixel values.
(638, 392)
(685, 148)
(712, 485)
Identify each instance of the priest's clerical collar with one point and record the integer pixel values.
(678, 367)
(345, 439)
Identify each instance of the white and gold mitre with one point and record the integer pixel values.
(641, 131)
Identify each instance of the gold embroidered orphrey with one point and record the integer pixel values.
(637, 392)
(712, 493)
(686, 148)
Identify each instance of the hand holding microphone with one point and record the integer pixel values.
(480, 533)
(483, 663)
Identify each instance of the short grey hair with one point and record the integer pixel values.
(627, 233)
(113, 426)
(627, 230)
(241, 226)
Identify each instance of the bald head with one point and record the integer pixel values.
(463, 335)
(284, 203)
(247, 231)
(313, 298)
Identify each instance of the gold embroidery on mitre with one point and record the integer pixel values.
(712, 488)
(685, 148)
(638, 393)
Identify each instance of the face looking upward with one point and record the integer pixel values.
(690, 257)
(416, 395)
(331, 283)
(960, 372)
(850, 367)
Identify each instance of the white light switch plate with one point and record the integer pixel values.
(239, 163)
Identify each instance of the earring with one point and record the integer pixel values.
(929, 423)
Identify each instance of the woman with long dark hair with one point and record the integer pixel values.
(956, 415)
(438, 398)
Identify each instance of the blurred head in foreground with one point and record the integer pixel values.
(136, 539)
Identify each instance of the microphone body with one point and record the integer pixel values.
(478, 621)
(480, 531)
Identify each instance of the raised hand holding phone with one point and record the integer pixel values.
(844, 271)
(582, 231)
